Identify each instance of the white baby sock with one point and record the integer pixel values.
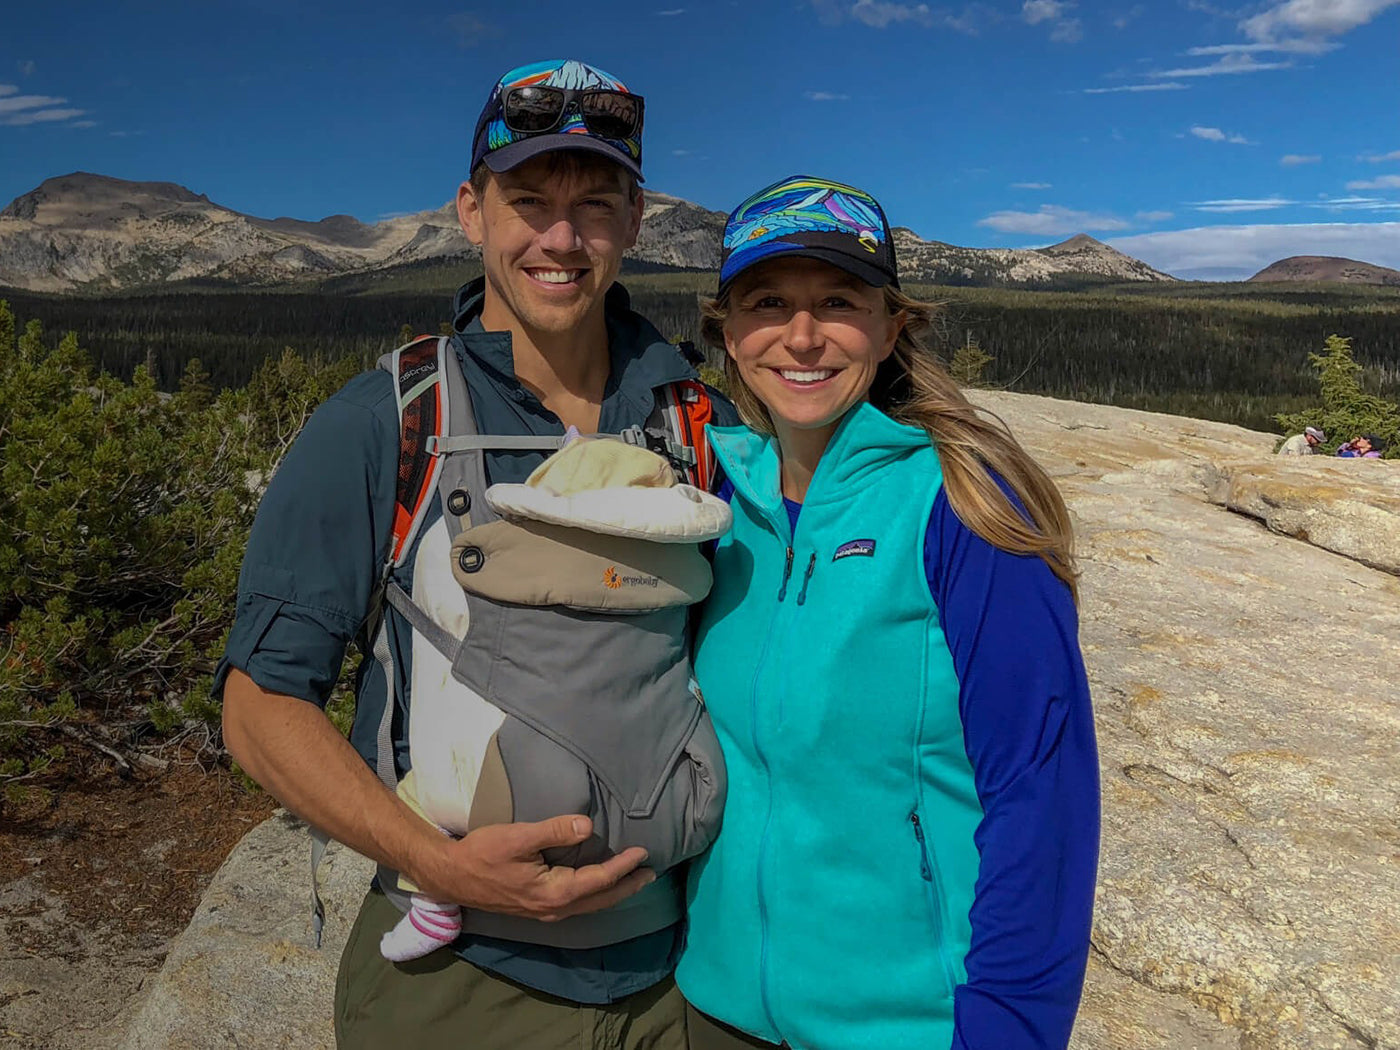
(429, 925)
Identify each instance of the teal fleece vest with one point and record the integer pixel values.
(832, 910)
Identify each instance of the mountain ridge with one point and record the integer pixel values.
(90, 232)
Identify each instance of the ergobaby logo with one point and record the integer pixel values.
(612, 579)
(855, 549)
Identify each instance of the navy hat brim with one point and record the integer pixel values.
(868, 272)
(514, 154)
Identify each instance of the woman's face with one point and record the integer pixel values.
(807, 338)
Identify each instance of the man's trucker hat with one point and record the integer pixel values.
(558, 105)
(814, 218)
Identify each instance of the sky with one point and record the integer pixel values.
(1206, 139)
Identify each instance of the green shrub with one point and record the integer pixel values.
(124, 513)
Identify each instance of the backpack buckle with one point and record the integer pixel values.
(678, 455)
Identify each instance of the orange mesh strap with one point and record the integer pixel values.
(693, 411)
(419, 388)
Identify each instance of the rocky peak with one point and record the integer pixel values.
(82, 190)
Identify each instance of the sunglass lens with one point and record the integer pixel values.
(611, 114)
(533, 109)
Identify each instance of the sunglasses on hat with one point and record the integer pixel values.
(536, 109)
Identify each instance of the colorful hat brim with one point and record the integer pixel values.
(514, 154)
(867, 272)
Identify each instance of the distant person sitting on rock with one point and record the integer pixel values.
(1304, 443)
(1363, 446)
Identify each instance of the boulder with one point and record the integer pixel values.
(246, 972)
(1243, 670)
(1349, 506)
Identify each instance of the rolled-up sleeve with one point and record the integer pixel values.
(317, 545)
(1012, 629)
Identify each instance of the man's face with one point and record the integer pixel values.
(551, 243)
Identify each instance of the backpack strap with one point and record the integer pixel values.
(418, 369)
(676, 429)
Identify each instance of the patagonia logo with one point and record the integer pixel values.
(612, 580)
(855, 548)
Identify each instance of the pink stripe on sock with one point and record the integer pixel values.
(441, 922)
(423, 904)
(429, 931)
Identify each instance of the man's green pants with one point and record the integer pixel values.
(442, 1001)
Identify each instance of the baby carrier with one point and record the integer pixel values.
(533, 693)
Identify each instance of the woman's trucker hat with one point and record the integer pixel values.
(503, 147)
(814, 218)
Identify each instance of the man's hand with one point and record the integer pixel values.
(500, 869)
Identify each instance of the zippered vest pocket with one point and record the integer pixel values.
(933, 892)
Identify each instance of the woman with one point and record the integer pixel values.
(890, 658)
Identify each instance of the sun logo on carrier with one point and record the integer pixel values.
(611, 580)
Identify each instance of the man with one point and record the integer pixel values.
(1302, 444)
(544, 341)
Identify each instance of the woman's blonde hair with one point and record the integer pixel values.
(913, 387)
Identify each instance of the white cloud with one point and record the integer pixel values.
(1292, 160)
(1312, 19)
(1153, 216)
(1236, 252)
(40, 116)
(1030, 186)
(1292, 47)
(1063, 29)
(1384, 182)
(1228, 65)
(1243, 204)
(681, 153)
(15, 103)
(1036, 11)
(825, 96)
(879, 14)
(19, 110)
(673, 11)
(26, 67)
(84, 123)
(1356, 204)
(1051, 221)
(1216, 135)
(1378, 158)
(1168, 86)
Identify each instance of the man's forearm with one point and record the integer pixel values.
(291, 748)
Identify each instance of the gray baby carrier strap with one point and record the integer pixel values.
(599, 709)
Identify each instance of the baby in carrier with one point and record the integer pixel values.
(577, 647)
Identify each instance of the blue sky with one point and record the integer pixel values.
(1204, 138)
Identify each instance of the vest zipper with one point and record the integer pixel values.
(935, 892)
(787, 573)
(806, 579)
